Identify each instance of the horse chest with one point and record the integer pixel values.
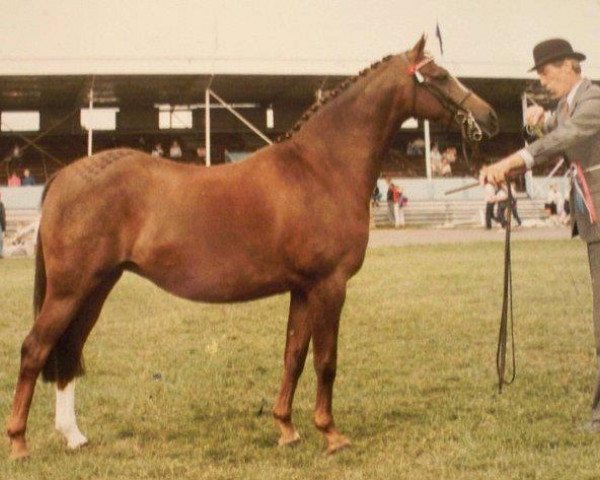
(320, 254)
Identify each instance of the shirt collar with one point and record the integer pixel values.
(571, 94)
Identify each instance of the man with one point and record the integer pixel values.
(2, 225)
(390, 200)
(574, 131)
(28, 178)
(489, 192)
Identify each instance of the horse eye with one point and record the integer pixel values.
(442, 77)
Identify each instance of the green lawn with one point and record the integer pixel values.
(416, 388)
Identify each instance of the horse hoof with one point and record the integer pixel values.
(285, 441)
(338, 445)
(19, 452)
(77, 443)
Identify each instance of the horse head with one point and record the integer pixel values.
(439, 96)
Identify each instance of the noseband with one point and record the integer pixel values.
(459, 115)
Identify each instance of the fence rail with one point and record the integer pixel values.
(451, 213)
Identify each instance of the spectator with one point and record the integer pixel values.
(445, 169)
(490, 203)
(375, 196)
(513, 207)
(396, 202)
(555, 204)
(448, 158)
(201, 154)
(416, 148)
(2, 225)
(399, 202)
(14, 180)
(436, 160)
(142, 144)
(502, 200)
(501, 204)
(175, 150)
(157, 151)
(390, 200)
(28, 178)
(450, 154)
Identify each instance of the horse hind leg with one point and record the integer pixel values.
(65, 418)
(296, 347)
(54, 345)
(51, 322)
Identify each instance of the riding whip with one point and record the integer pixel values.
(468, 186)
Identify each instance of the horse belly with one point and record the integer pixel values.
(217, 283)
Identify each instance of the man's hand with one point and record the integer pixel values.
(496, 173)
(534, 115)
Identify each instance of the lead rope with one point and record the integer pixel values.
(507, 307)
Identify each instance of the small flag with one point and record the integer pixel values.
(438, 34)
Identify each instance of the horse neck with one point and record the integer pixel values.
(352, 134)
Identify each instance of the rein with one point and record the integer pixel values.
(506, 318)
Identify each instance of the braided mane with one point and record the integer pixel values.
(329, 95)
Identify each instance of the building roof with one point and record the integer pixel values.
(481, 38)
(57, 91)
(145, 53)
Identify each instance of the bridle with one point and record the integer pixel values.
(459, 115)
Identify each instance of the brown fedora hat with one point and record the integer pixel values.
(551, 50)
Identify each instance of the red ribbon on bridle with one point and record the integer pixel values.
(414, 68)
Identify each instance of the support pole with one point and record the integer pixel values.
(427, 150)
(207, 125)
(90, 129)
(240, 118)
(530, 186)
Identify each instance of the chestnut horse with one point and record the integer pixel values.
(292, 217)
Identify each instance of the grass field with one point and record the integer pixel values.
(175, 389)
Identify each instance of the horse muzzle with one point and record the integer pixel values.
(474, 130)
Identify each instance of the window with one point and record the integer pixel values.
(171, 118)
(99, 118)
(410, 124)
(25, 121)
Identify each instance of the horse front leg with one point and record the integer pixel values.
(296, 347)
(328, 300)
(65, 420)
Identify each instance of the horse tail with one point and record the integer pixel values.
(39, 287)
(64, 362)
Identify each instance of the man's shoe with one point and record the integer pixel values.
(593, 426)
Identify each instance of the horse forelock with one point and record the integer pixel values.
(331, 94)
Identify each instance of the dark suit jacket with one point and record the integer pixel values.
(2, 217)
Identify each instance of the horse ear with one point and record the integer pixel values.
(419, 48)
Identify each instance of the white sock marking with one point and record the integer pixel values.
(66, 423)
